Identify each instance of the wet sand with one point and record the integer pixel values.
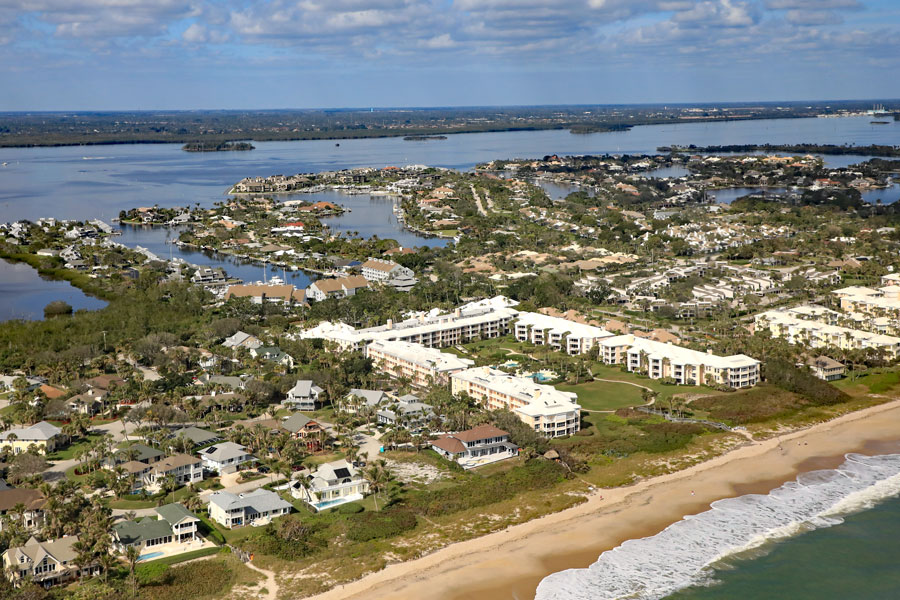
(508, 565)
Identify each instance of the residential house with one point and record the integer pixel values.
(42, 435)
(273, 354)
(330, 485)
(185, 469)
(304, 396)
(407, 412)
(826, 368)
(357, 397)
(46, 563)
(196, 436)
(137, 452)
(242, 340)
(257, 507)
(175, 524)
(225, 457)
(260, 294)
(32, 518)
(301, 427)
(340, 287)
(474, 447)
(380, 271)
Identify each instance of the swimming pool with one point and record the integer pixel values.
(150, 556)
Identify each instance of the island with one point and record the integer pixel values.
(218, 147)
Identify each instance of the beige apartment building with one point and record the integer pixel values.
(422, 366)
(542, 407)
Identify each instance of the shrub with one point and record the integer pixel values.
(367, 526)
(351, 508)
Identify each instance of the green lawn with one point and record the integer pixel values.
(69, 451)
(872, 383)
(602, 395)
(603, 371)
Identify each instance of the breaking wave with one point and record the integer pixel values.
(685, 553)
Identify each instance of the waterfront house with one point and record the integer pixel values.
(379, 270)
(473, 447)
(826, 368)
(46, 563)
(175, 524)
(304, 396)
(340, 287)
(257, 507)
(330, 485)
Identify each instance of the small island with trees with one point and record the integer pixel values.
(217, 146)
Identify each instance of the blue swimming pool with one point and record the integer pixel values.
(150, 556)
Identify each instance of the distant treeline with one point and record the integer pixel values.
(213, 127)
(217, 146)
(871, 150)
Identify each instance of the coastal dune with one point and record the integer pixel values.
(510, 564)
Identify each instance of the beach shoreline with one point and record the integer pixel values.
(509, 564)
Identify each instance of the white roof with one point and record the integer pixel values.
(561, 326)
(39, 431)
(430, 358)
(260, 500)
(540, 399)
(678, 355)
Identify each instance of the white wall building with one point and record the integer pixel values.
(548, 410)
(685, 366)
(422, 366)
(563, 335)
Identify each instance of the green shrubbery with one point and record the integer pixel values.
(378, 525)
(289, 538)
(785, 375)
(351, 508)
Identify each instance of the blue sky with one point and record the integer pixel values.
(182, 54)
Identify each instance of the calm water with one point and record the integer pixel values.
(729, 195)
(816, 537)
(83, 182)
(24, 293)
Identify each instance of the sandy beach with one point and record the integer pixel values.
(509, 564)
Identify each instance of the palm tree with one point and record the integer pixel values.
(131, 555)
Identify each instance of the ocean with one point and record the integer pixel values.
(829, 534)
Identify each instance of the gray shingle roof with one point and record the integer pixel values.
(260, 500)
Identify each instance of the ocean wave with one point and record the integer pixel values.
(685, 553)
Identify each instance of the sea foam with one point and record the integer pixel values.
(685, 553)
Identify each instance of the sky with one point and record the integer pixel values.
(258, 54)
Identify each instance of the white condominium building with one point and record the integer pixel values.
(433, 330)
(543, 407)
(422, 366)
(784, 324)
(563, 335)
(685, 366)
(880, 302)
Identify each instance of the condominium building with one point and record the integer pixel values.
(815, 334)
(422, 366)
(434, 330)
(687, 367)
(543, 407)
(561, 334)
(880, 302)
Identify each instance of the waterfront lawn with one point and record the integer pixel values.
(604, 395)
(870, 382)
